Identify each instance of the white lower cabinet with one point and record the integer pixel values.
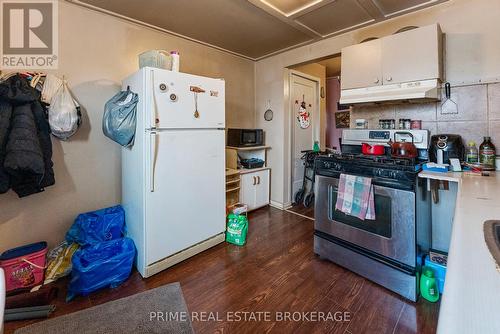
(254, 190)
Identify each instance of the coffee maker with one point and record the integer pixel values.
(445, 147)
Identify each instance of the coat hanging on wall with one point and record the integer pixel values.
(303, 116)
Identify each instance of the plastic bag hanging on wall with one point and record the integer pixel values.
(303, 116)
(64, 113)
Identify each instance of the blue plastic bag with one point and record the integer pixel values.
(93, 227)
(120, 117)
(107, 264)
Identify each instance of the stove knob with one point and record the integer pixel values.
(337, 166)
(326, 164)
(394, 174)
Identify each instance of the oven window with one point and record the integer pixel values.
(249, 137)
(383, 212)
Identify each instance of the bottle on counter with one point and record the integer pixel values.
(487, 154)
(316, 146)
(175, 61)
(472, 155)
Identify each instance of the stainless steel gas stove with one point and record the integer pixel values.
(383, 250)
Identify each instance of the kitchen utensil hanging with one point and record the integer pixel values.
(448, 107)
(268, 114)
(196, 91)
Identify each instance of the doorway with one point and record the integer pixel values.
(320, 80)
(305, 125)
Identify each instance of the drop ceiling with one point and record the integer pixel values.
(255, 29)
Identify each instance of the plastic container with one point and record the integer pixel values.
(428, 285)
(497, 162)
(24, 266)
(2, 298)
(472, 153)
(316, 146)
(361, 123)
(156, 58)
(175, 61)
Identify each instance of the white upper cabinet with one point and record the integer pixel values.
(362, 65)
(412, 55)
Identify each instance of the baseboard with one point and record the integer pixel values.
(183, 255)
(281, 206)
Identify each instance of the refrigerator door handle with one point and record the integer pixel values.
(152, 161)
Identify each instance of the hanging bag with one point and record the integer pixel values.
(64, 114)
(119, 120)
(50, 88)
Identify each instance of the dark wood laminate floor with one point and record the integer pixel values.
(276, 271)
(302, 210)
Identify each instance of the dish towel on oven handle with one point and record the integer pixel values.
(356, 197)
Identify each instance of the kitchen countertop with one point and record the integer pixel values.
(450, 176)
(471, 299)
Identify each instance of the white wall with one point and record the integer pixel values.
(472, 54)
(96, 52)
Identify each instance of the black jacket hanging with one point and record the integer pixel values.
(26, 148)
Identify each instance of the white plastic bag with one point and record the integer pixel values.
(64, 114)
(51, 86)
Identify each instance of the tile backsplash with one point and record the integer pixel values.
(478, 113)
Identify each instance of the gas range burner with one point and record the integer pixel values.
(380, 160)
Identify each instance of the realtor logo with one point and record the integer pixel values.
(29, 34)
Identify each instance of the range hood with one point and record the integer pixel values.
(415, 91)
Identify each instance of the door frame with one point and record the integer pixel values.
(289, 126)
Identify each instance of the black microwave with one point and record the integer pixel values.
(245, 137)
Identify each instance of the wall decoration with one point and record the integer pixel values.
(303, 116)
(268, 114)
(342, 120)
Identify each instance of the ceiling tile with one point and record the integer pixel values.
(388, 7)
(252, 28)
(290, 6)
(336, 16)
(235, 25)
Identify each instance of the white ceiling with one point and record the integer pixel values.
(255, 29)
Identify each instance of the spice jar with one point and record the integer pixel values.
(416, 124)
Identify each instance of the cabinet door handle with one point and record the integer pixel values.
(389, 78)
(258, 179)
(254, 180)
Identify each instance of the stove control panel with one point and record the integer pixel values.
(380, 135)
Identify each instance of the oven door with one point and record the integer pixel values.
(391, 234)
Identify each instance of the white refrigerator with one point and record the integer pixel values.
(173, 177)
